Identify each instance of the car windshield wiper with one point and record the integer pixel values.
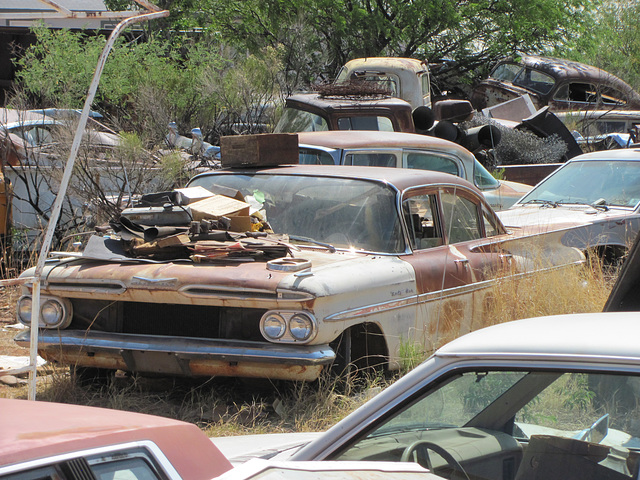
(542, 202)
(328, 246)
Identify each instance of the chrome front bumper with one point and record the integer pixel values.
(182, 356)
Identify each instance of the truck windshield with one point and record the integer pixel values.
(294, 120)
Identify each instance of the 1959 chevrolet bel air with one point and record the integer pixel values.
(339, 267)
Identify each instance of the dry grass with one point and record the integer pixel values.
(577, 290)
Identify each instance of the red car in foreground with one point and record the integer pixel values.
(43, 440)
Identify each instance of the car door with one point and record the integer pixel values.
(446, 225)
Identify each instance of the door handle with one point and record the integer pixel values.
(464, 262)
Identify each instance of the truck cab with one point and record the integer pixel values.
(405, 78)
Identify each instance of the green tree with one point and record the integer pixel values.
(612, 43)
(324, 34)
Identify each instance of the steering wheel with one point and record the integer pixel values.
(419, 452)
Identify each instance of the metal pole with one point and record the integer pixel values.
(68, 170)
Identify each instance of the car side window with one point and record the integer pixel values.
(125, 469)
(426, 86)
(431, 161)
(125, 464)
(460, 220)
(577, 92)
(365, 123)
(310, 156)
(422, 222)
(371, 159)
(490, 223)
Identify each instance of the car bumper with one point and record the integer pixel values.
(181, 356)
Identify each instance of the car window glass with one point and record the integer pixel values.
(294, 120)
(371, 159)
(505, 72)
(490, 223)
(382, 80)
(125, 469)
(426, 86)
(365, 123)
(611, 126)
(432, 161)
(577, 92)
(611, 96)
(311, 156)
(488, 415)
(482, 178)
(343, 212)
(534, 80)
(419, 213)
(460, 218)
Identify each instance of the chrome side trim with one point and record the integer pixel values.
(436, 295)
(370, 309)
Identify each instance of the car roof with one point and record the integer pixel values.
(626, 154)
(608, 337)
(401, 178)
(388, 62)
(378, 139)
(346, 102)
(11, 117)
(35, 429)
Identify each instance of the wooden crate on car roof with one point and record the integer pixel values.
(261, 150)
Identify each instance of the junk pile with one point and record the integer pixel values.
(199, 225)
(190, 224)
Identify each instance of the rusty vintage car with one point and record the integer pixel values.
(561, 84)
(343, 267)
(407, 150)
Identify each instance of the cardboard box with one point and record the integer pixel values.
(218, 206)
(262, 150)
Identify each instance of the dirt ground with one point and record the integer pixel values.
(8, 298)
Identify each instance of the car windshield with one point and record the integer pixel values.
(534, 80)
(600, 182)
(342, 212)
(482, 178)
(486, 419)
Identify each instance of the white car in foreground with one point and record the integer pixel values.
(550, 397)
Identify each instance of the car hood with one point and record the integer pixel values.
(269, 446)
(341, 276)
(561, 216)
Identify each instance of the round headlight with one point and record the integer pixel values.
(24, 310)
(274, 326)
(300, 326)
(51, 313)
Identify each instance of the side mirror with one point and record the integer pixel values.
(454, 111)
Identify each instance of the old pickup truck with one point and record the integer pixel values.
(298, 268)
